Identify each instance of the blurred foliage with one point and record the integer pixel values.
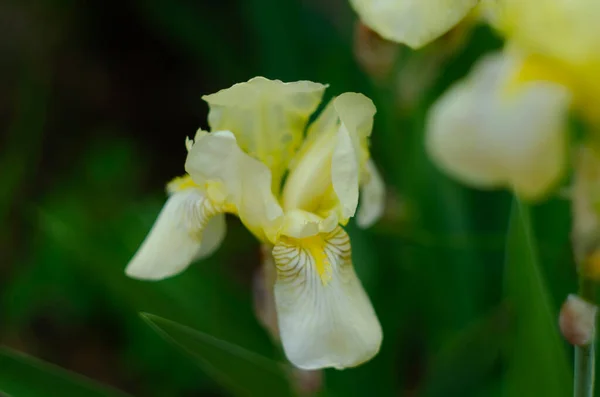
(97, 98)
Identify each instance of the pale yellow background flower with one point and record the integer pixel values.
(489, 134)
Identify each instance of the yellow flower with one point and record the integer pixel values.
(505, 124)
(561, 39)
(325, 317)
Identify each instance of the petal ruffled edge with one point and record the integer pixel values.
(268, 117)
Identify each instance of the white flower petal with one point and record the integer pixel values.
(488, 134)
(246, 182)
(372, 197)
(356, 113)
(345, 172)
(412, 22)
(268, 117)
(325, 316)
(177, 237)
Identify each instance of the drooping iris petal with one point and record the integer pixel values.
(488, 134)
(324, 176)
(245, 182)
(188, 228)
(372, 197)
(412, 22)
(325, 316)
(268, 117)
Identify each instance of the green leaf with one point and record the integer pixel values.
(537, 363)
(25, 376)
(241, 372)
(469, 360)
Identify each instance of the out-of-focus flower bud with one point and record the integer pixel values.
(376, 55)
(585, 196)
(421, 69)
(577, 320)
(264, 300)
(307, 383)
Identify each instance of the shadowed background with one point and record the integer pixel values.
(96, 99)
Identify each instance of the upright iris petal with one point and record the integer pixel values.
(268, 117)
(325, 175)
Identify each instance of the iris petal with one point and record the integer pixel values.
(244, 182)
(188, 228)
(268, 117)
(325, 316)
(412, 22)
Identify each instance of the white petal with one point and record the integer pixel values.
(325, 316)
(356, 113)
(345, 172)
(412, 22)
(216, 157)
(372, 197)
(176, 238)
(268, 117)
(488, 134)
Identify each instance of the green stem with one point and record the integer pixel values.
(585, 355)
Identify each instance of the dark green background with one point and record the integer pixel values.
(96, 99)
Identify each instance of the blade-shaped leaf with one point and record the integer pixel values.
(537, 363)
(25, 376)
(240, 371)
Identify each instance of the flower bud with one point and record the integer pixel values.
(373, 53)
(577, 320)
(263, 298)
(585, 200)
(307, 382)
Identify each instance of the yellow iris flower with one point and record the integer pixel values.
(294, 193)
(505, 125)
